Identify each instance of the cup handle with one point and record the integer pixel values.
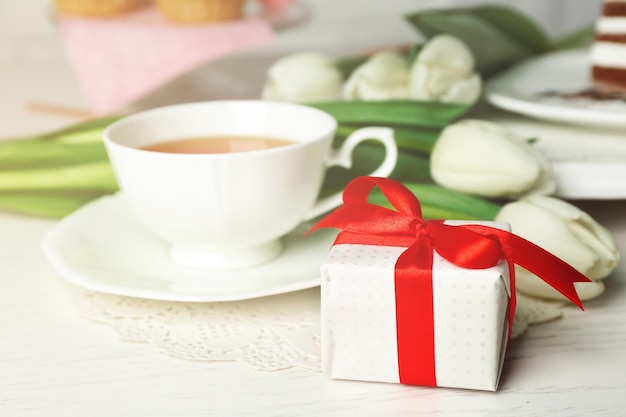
(343, 157)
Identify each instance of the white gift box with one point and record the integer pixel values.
(358, 317)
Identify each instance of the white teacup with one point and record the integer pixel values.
(229, 210)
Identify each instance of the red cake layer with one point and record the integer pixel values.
(614, 8)
(611, 37)
(610, 80)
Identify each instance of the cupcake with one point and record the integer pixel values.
(96, 8)
(200, 11)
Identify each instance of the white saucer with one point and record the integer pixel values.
(522, 89)
(103, 248)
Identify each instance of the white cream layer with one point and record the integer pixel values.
(608, 54)
(611, 25)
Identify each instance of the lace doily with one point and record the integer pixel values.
(267, 334)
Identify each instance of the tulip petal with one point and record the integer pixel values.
(444, 71)
(383, 77)
(483, 158)
(466, 90)
(588, 231)
(448, 52)
(303, 77)
(548, 230)
(567, 232)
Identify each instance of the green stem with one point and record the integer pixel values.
(75, 133)
(88, 131)
(20, 154)
(93, 175)
(78, 143)
(48, 204)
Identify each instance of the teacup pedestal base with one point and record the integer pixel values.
(195, 256)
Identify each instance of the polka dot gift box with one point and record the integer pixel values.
(422, 302)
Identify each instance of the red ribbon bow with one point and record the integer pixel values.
(469, 246)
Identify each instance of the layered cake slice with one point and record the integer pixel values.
(608, 52)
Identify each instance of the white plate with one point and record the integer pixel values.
(521, 90)
(586, 143)
(103, 248)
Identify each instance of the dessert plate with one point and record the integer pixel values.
(536, 87)
(103, 248)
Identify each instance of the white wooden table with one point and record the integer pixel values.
(55, 363)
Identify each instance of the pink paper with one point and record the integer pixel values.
(119, 60)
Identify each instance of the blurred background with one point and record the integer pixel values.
(29, 35)
(332, 25)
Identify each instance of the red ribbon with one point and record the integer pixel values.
(468, 246)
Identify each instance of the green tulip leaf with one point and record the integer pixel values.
(366, 158)
(516, 25)
(394, 112)
(415, 139)
(498, 36)
(580, 38)
(442, 203)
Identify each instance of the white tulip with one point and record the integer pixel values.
(384, 76)
(304, 77)
(484, 158)
(444, 71)
(567, 232)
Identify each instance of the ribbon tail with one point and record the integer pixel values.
(513, 301)
(557, 273)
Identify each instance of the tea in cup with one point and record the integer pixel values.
(223, 181)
